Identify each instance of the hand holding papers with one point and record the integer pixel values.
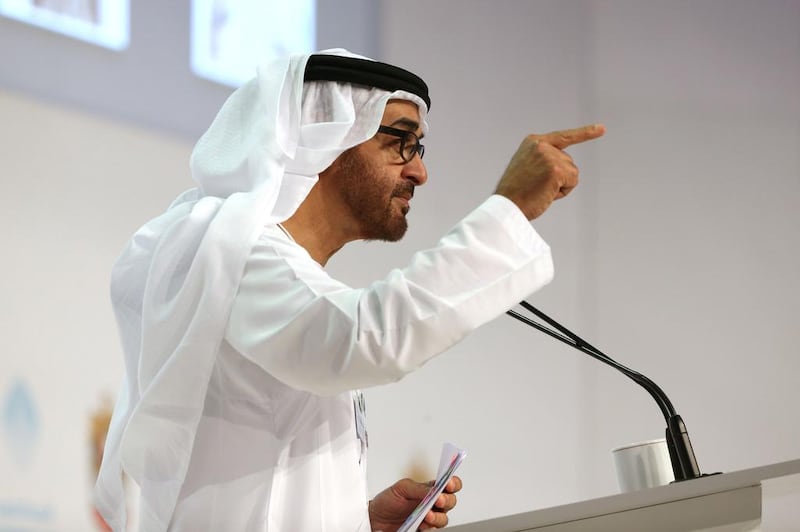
(452, 457)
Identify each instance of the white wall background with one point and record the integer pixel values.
(677, 255)
(72, 185)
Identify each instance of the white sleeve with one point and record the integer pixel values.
(317, 334)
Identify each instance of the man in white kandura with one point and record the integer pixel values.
(241, 409)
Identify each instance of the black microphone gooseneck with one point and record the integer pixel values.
(684, 463)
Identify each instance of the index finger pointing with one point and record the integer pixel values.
(568, 137)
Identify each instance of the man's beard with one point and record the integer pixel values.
(364, 190)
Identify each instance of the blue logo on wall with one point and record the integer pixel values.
(20, 423)
(20, 428)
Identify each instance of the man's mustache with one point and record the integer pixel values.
(405, 190)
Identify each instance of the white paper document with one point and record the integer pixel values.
(452, 457)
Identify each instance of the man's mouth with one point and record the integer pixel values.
(405, 194)
(405, 206)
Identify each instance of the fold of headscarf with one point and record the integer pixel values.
(173, 286)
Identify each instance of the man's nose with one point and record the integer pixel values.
(415, 170)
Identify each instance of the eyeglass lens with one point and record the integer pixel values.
(409, 142)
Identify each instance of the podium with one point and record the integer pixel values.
(728, 502)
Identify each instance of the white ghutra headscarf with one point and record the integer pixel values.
(173, 286)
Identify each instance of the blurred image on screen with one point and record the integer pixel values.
(231, 37)
(105, 23)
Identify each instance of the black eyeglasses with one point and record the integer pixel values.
(409, 142)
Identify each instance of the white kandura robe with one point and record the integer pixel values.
(277, 447)
(173, 286)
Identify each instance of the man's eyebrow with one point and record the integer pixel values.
(411, 125)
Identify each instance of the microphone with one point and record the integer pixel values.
(681, 454)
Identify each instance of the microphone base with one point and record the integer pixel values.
(681, 454)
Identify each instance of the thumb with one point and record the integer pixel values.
(410, 489)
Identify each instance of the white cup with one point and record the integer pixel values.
(643, 465)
